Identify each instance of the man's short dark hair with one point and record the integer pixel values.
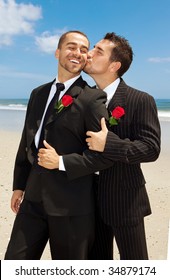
(63, 36)
(121, 52)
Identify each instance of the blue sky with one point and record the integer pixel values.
(29, 32)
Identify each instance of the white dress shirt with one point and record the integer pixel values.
(67, 84)
(110, 91)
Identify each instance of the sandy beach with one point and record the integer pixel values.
(157, 176)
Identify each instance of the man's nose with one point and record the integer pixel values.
(77, 52)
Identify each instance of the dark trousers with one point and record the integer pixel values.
(70, 237)
(130, 240)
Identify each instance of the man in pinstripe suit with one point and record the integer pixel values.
(122, 199)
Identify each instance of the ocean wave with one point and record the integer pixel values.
(163, 115)
(11, 106)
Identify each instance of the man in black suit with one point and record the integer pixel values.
(47, 204)
(133, 138)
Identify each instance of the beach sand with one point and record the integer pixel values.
(157, 176)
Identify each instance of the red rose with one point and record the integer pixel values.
(117, 113)
(67, 100)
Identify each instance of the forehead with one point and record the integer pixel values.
(105, 45)
(77, 39)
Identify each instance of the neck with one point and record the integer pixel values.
(103, 81)
(63, 79)
(64, 75)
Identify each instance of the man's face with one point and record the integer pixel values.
(72, 55)
(99, 58)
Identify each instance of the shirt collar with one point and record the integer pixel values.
(111, 89)
(67, 83)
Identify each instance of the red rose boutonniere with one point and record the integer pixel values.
(116, 114)
(65, 101)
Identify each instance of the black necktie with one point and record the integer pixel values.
(60, 87)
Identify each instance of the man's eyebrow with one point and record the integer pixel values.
(71, 43)
(75, 44)
(97, 47)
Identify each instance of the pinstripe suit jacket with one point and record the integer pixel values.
(122, 195)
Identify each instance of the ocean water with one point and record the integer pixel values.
(12, 112)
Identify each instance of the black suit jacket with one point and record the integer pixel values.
(122, 195)
(66, 132)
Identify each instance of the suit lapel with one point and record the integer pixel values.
(41, 102)
(76, 87)
(73, 91)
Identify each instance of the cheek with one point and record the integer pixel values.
(103, 64)
(84, 57)
(100, 65)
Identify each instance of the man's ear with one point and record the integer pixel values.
(57, 53)
(115, 66)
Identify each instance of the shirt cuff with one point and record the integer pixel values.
(61, 164)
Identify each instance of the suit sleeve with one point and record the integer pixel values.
(22, 165)
(77, 165)
(142, 146)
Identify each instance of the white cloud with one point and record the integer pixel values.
(48, 42)
(16, 19)
(159, 59)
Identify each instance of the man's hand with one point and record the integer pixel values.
(16, 200)
(97, 140)
(48, 157)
